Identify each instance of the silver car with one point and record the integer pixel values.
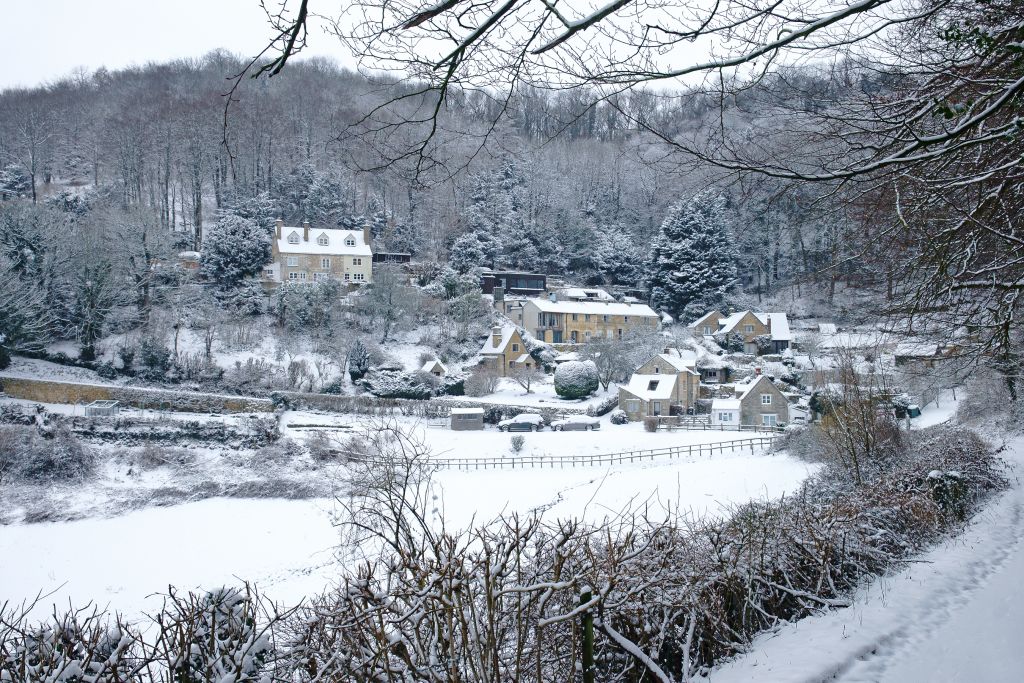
(576, 423)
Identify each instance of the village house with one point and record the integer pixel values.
(504, 349)
(435, 368)
(526, 284)
(667, 384)
(558, 321)
(749, 325)
(302, 254)
(759, 403)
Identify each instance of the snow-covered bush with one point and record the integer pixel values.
(106, 370)
(155, 359)
(358, 360)
(618, 417)
(396, 384)
(518, 441)
(53, 455)
(763, 343)
(576, 379)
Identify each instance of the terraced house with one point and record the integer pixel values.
(560, 321)
(303, 254)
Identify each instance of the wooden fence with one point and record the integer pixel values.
(567, 461)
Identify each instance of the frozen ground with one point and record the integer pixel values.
(957, 614)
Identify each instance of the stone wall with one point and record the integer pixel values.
(48, 391)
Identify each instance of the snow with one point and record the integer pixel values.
(284, 547)
(942, 409)
(335, 246)
(594, 308)
(956, 614)
(641, 386)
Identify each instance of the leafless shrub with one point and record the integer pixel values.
(650, 424)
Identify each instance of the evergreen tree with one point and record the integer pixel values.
(358, 360)
(692, 265)
(467, 252)
(234, 248)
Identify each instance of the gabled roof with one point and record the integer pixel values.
(725, 404)
(704, 318)
(335, 242)
(750, 387)
(681, 362)
(779, 324)
(651, 387)
(507, 331)
(431, 364)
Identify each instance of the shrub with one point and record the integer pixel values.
(106, 370)
(576, 379)
(650, 424)
(58, 456)
(155, 359)
(518, 440)
(127, 356)
(619, 417)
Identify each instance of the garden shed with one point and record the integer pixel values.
(466, 419)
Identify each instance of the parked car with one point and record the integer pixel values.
(525, 422)
(576, 423)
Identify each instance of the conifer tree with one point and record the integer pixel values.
(692, 264)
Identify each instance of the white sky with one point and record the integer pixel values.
(47, 39)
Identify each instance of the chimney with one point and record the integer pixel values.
(366, 235)
(499, 293)
(305, 231)
(757, 372)
(278, 225)
(553, 296)
(496, 336)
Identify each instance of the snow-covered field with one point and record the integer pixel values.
(956, 614)
(286, 547)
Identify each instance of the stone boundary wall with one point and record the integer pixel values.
(51, 391)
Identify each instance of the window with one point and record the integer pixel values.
(586, 317)
(296, 276)
(586, 335)
(325, 262)
(725, 417)
(575, 317)
(748, 328)
(322, 240)
(712, 374)
(515, 348)
(293, 238)
(320, 276)
(293, 261)
(347, 277)
(359, 277)
(707, 331)
(350, 241)
(620, 333)
(769, 419)
(632, 406)
(357, 262)
(652, 385)
(268, 272)
(625, 318)
(657, 370)
(766, 399)
(606, 318)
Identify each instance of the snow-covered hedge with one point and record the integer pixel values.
(619, 417)
(576, 379)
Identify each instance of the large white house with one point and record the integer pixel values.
(305, 253)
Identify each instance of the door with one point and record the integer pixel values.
(656, 408)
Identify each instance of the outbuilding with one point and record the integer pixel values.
(467, 419)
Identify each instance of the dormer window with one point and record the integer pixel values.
(350, 241)
(293, 238)
(322, 240)
(652, 385)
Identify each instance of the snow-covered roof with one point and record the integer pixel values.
(506, 336)
(336, 242)
(651, 387)
(430, 365)
(779, 324)
(568, 356)
(725, 404)
(827, 328)
(730, 321)
(684, 362)
(594, 308)
(467, 411)
(586, 294)
(917, 350)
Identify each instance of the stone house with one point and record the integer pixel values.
(435, 368)
(759, 403)
(505, 349)
(302, 254)
(749, 325)
(578, 322)
(666, 384)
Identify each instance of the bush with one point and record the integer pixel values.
(57, 456)
(155, 359)
(5, 357)
(518, 440)
(106, 370)
(650, 424)
(393, 384)
(619, 417)
(576, 379)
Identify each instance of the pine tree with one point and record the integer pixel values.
(234, 248)
(692, 265)
(467, 252)
(358, 360)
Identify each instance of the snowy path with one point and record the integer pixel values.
(956, 615)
